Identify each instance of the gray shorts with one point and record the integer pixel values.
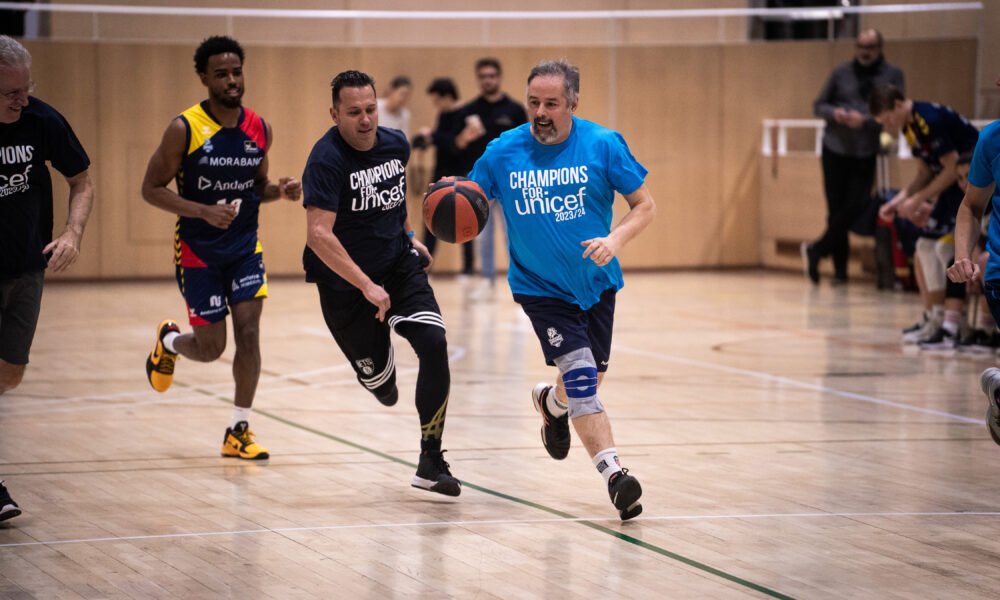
(20, 302)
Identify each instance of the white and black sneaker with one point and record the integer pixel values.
(913, 335)
(941, 340)
(625, 492)
(8, 508)
(555, 430)
(990, 382)
(433, 474)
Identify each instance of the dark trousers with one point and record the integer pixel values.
(848, 184)
(468, 252)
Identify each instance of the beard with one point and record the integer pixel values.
(546, 133)
(230, 101)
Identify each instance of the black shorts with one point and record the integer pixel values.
(364, 339)
(562, 327)
(20, 303)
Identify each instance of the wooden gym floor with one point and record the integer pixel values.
(786, 443)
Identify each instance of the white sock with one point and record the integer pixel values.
(554, 406)
(607, 463)
(240, 414)
(937, 313)
(168, 341)
(951, 321)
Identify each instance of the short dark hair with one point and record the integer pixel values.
(884, 99)
(217, 44)
(400, 81)
(964, 158)
(354, 79)
(489, 61)
(443, 86)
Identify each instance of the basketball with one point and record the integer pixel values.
(455, 209)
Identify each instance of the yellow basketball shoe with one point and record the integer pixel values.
(160, 362)
(239, 443)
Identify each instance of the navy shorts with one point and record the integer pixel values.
(209, 289)
(563, 327)
(991, 289)
(20, 303)
(942, 221)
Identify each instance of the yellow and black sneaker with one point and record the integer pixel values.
(239, 443)
(160, 362)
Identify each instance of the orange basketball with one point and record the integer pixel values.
(456, 209)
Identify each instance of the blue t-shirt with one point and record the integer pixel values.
(367, 190)
(984, 172)
(936, 130)
(553, 198)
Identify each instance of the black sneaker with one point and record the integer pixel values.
(555, 430)
(8, 508)
(810, 262)
(625, 492)
(976, 342)
(433, 475)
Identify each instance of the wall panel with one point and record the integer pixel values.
(691, 114)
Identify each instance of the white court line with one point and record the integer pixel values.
(279, 530)
(797, 384)
(195, 393)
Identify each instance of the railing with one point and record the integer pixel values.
(774, 139)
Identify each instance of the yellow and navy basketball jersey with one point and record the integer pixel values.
(220, 166)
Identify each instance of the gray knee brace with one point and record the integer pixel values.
(579, 374)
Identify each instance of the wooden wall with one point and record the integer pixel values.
(691, 114)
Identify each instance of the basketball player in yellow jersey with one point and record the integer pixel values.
(217, 153)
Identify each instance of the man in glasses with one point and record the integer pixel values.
(31, 134)
(850, 144)
(484, 119)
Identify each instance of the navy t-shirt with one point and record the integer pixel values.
(367, 190)
(41, 135)
(936, 130)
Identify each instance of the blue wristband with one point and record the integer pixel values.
(411, 233)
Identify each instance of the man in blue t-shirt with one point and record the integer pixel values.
(555, 178)
(368, 268)
(32, 133)
(984, 173)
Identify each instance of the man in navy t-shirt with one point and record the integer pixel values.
(31, 134)
(937, 135)
(216, 151)
(368, 268)
(556, 179)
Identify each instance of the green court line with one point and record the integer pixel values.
(617, 534)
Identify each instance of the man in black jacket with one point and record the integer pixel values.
(485, 118)
(850, 144)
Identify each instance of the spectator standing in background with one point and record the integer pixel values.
(392, 110)
(850, 144)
